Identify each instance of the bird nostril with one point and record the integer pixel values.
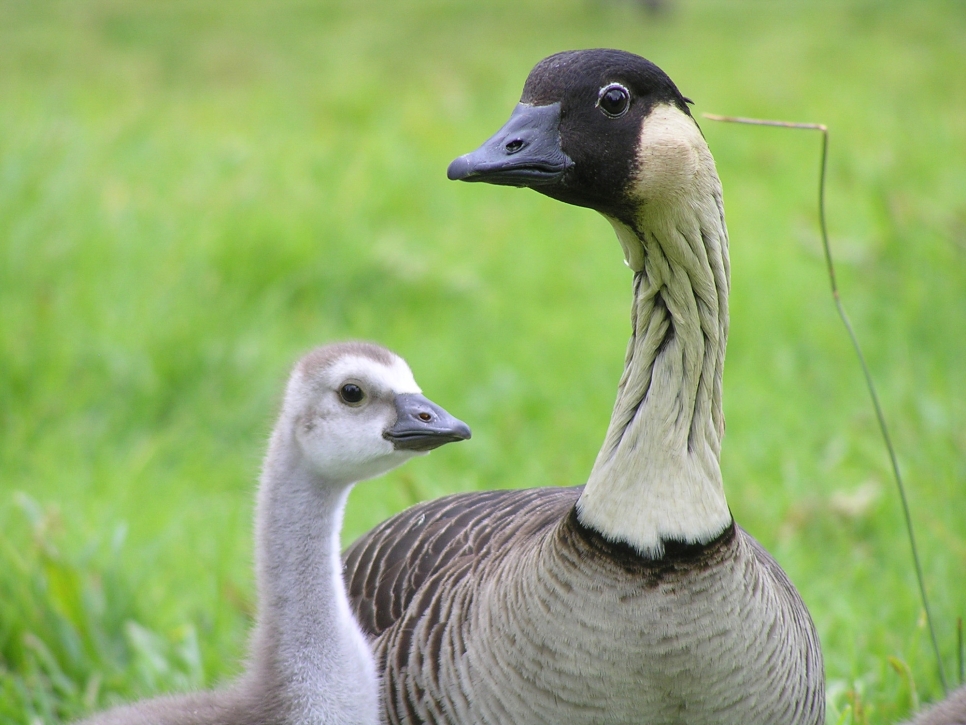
(425, 417)
(513, 146)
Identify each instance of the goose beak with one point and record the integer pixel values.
(421, 425)
(525, 152)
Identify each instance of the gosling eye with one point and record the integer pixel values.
(614, 100)
(351, 394)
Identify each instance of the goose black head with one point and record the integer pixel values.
(576, 133)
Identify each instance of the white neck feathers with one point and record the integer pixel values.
(657, 476)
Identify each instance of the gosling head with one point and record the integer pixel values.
(356, 412)
(603, 129)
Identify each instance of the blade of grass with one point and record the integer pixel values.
(858, 351)
(960, 658)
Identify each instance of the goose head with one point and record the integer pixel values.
(603, 129)
(355, 412)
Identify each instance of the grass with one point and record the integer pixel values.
(191, 194)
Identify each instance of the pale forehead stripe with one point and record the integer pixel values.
(396, 377)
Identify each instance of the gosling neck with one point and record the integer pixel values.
(307, 648)
(657, 477)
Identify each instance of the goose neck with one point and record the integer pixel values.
(657, 477)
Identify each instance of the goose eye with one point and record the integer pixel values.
(614, 100)
(351, 394)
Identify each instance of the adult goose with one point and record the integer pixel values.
(351, 411)
(951, 711)
(634, 599)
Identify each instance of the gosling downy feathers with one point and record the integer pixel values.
(634, 599)
(951, 711)
(351, 411)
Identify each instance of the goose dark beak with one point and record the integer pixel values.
(421, 425)
(525, 152)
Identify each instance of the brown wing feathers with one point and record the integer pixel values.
(387, 568)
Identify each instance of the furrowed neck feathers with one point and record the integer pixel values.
(657, 477)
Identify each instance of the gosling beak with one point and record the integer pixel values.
(421, 425)
(525, 152)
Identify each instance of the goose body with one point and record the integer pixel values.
(351, 411)
(635, 598)
(951, 711)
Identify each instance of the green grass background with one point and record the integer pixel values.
(192, 193)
